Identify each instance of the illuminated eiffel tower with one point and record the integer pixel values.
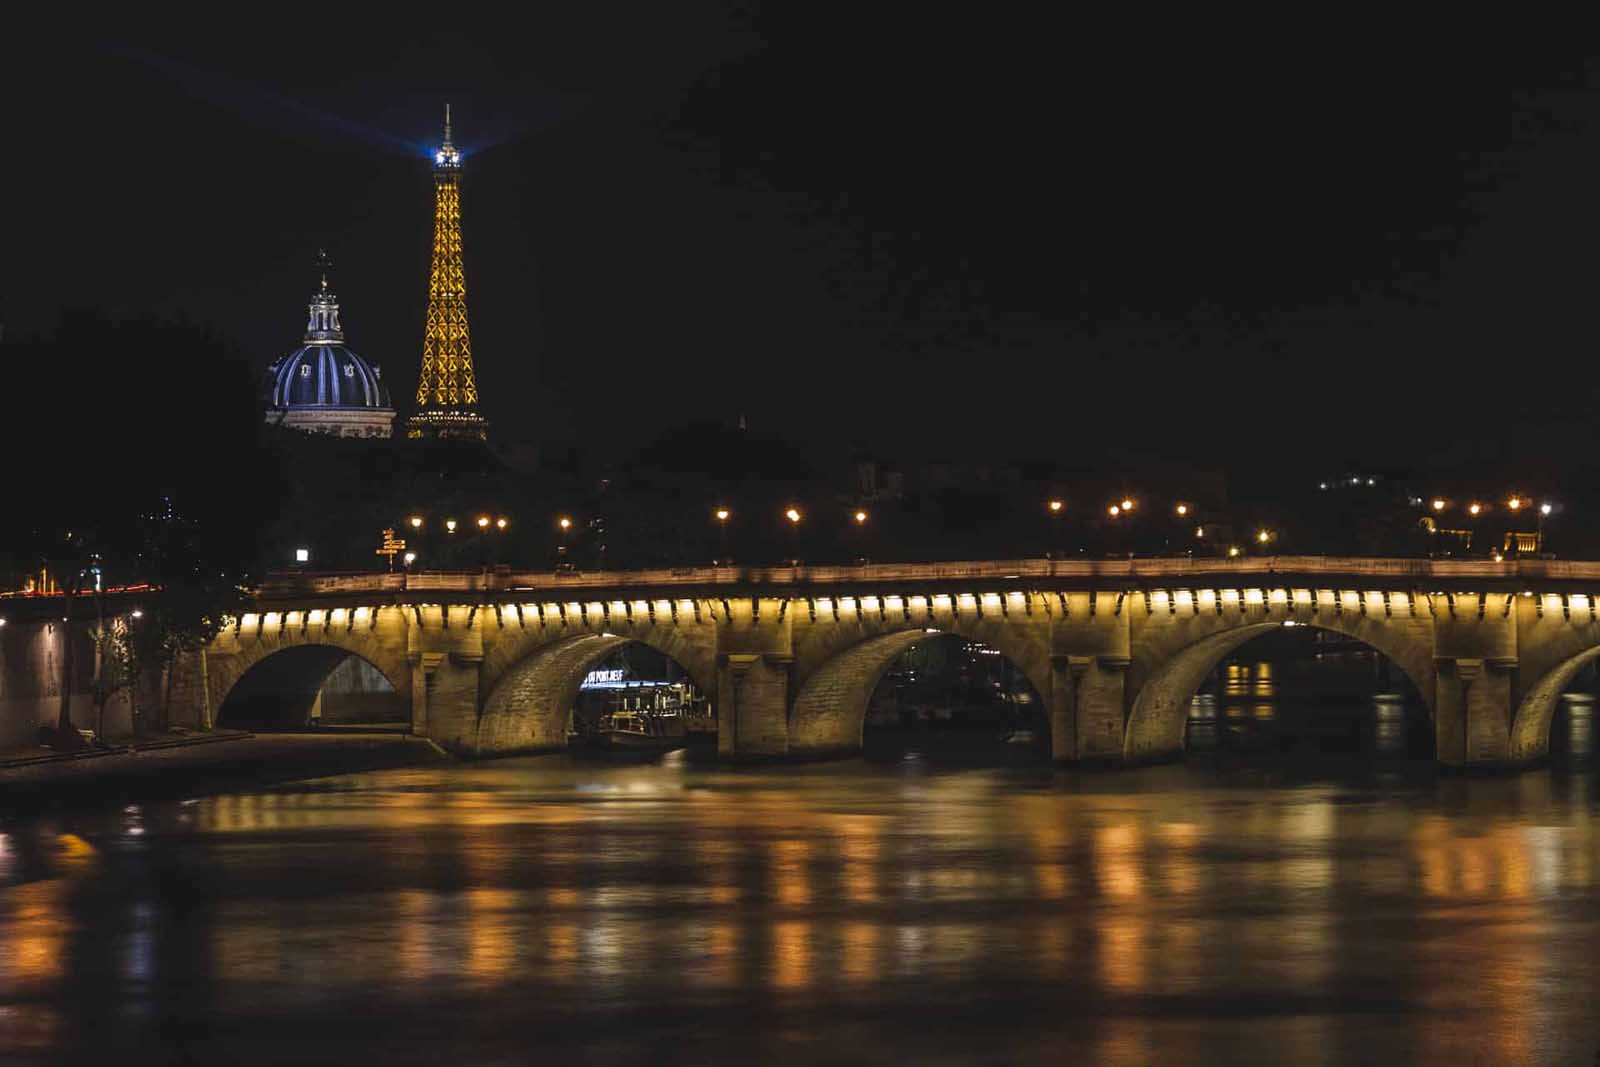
(447, 388)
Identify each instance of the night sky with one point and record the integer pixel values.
(938, 236)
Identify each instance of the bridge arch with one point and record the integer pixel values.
(530, 705)
(1530, 726)
(1157, 721)
(277, 690)
(235, 655)
(830, 710)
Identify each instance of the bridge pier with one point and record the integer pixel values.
(1475, 660)
(755, 660)
(1089, 660)
(445, 651)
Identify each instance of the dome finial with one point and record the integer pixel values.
(324, 264)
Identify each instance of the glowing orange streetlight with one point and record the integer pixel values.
(722, 514)
(565, 523)
(483, 522)
(1182, 510)
(1127, 503)
(1055, 506)
(1515, 503)
(1438, 504)
(793, 515)
(1114, 510)
(860, 517)
(450, 525)
(416, 522)
(1475, 508)
(500, 523)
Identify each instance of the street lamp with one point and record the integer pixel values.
(563, 524)
(410, 558)
(500, 524)
(416, 522)
(302, 555)
(483, 522)
(1438, 504)
(1475, 508)
(722, 515)
(1055, 507)
(793, 515)
(1182, 510)
(1114, 510)
(1264, 536)
(1127, 503)
(860, 517)
(450, 525)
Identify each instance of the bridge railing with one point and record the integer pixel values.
(1327, 570)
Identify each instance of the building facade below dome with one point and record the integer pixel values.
(323, 386)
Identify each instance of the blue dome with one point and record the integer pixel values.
(325, 374)
(322, 386)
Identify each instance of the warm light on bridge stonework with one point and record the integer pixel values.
(1115, 649)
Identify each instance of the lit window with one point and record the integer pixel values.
(305, 370)
(349, 370)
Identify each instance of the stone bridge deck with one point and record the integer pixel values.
(490, 662)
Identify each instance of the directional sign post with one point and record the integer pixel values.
(392, 546)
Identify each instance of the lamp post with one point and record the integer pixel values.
(794, 517)
(564, 524)
(722, 515)
(859, 518)
(1056, 509)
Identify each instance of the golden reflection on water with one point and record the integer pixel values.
(791, 954)
(858, 958)
(1469, 900)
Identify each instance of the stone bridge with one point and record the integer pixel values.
(491, 663)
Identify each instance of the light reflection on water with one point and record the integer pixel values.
(837, 913)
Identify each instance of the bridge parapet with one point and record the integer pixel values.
(1349, 572)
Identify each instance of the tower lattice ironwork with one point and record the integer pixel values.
(447, 387)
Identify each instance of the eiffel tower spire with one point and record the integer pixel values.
(447, 387)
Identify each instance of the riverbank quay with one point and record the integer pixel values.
(202, 765)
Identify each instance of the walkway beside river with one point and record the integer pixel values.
(229, 763)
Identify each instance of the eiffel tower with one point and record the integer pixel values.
(447, 388)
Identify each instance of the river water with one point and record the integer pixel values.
(546, 910)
